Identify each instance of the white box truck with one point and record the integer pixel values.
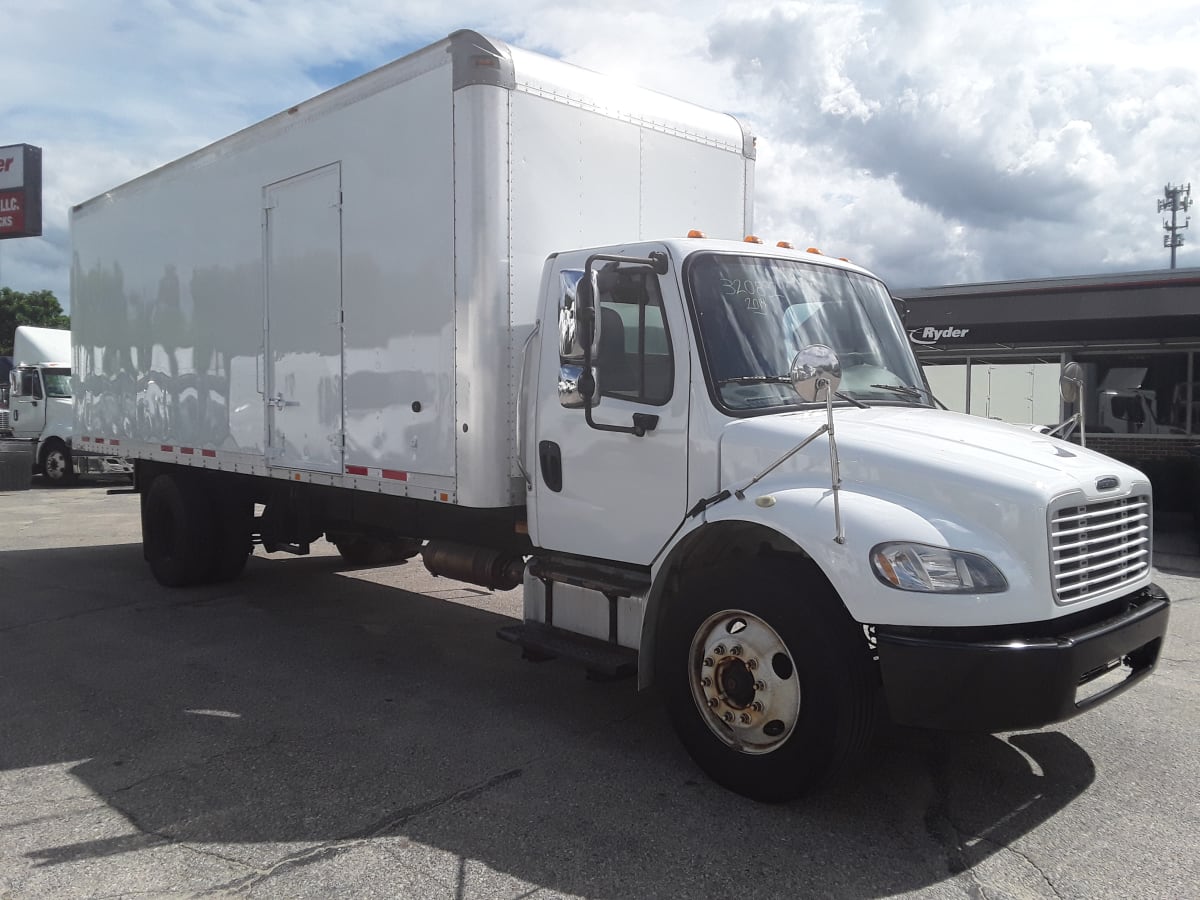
(448, 308)
(40, 407)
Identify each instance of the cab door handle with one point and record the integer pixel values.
(550, 462)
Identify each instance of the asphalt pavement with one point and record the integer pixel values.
(315, 730)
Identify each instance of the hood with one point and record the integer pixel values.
(927, 458)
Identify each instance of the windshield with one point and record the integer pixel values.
(755, 313)
(57, 381)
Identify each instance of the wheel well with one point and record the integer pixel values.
(719, 546)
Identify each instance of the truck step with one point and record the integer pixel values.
(603, 661)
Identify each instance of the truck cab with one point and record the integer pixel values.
(735, 470)
(41, 409)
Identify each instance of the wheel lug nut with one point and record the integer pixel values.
(728, 716)
(745, 718)
(708, 662)
(719, 650)
(736, 649)
(706, 681)
(756, 706)
(712, 702)
(752, 664)
(759, 686)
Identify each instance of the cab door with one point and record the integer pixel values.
(606, 494)
(27, 403)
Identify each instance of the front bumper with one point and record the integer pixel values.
(1014, 677)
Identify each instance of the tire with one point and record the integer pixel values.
(360, 550)
(791, 693)
(177, 531)
(232, 525)
(56, 464)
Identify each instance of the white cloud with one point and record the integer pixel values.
(934, 141)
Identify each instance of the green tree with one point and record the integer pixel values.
(27, 308)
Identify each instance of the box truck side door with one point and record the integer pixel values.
(608, 494)
(303, 249)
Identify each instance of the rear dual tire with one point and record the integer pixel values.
(192, 534)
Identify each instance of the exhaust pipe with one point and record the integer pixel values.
(488, 568)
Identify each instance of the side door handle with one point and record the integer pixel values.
(550, 462)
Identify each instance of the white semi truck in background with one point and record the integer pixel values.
(448, 308)
(40, 407)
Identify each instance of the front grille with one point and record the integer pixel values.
(4, 426)
(1099, 547)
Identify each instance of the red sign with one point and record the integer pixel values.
(12, 214)
(20, 191)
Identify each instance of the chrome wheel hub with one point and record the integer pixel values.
(744, 681)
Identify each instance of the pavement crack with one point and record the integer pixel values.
(361, 837)
(69, 616)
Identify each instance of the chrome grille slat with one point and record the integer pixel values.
(1099, 546)
(1097, 554)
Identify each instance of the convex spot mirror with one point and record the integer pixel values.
(1070, 382)
(815, 371)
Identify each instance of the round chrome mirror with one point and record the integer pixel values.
(1070, 382)
(814, 369)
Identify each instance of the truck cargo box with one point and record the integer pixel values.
(340, 294)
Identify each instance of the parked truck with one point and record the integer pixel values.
(39, 407)
(448, 308)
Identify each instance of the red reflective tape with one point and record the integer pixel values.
(188, 450)
(85, 439)
(208, 453)
(98, 441)
(114, 442)
(356, 470)
(394, 475)
(166, 448)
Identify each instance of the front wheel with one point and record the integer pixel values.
(768, 681)
(57, 467)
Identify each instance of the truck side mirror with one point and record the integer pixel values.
(578, 340)
(588, 314)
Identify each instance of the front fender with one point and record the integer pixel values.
(804, 517)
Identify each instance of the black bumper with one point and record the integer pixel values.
(1014, 677)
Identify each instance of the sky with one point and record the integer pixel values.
(934, 142)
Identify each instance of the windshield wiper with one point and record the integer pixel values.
(755, 379)
(908, 390)
(783, 379)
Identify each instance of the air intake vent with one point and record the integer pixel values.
(1099, 547)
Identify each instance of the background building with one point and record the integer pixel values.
(997, 350)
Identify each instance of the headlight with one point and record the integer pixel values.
(935, 570)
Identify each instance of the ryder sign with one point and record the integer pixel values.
(20, 191)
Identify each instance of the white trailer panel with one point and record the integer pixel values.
(341, 293)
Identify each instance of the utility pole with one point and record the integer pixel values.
(1178, 198)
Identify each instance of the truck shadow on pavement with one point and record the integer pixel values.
(301, 713)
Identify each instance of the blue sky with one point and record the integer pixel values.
(935, 142)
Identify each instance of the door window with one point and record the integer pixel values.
(634, 361)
